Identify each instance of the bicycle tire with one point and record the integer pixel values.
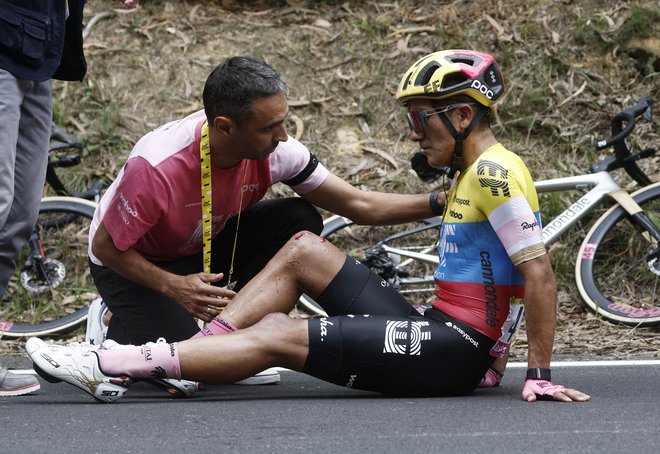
(360, 242)
(612, 276)
(58, 309)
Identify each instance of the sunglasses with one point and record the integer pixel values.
(418, 119)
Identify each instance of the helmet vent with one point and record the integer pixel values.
(465, 61)
(452, 80)
(407, 82)
(426, 73)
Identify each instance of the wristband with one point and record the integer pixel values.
(538, 374)
(433, 202)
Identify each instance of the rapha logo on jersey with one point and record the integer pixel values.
(324, 323)
(529, 225)
(405, 337)
(351, 381)
(463, 334)
(491, 170)
(195, 239)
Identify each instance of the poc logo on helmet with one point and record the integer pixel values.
(482, 88)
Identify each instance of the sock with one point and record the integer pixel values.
(152, 360)
(217, 326)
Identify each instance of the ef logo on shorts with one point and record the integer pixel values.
(405, 338)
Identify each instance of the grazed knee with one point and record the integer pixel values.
(305, 246)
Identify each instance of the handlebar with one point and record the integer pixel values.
(622, 155)
(629, 116)
(60, 140)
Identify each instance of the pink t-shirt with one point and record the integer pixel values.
(154, 205)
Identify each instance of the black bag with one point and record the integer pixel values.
(32, 39)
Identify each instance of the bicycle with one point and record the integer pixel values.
(52, 287)
(617, 267)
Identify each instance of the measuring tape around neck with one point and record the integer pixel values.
(207, 204)
(207, 197)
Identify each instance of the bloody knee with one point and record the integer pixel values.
(306, 246)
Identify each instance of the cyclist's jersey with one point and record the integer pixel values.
(154, 205)
(491, 224)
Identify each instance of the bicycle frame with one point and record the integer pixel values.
(600, 185)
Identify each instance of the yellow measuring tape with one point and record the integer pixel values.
(207, 197)
(207, 205)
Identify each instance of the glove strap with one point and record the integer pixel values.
(538, 374)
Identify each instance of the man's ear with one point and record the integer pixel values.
(464, 114)
(224, 125)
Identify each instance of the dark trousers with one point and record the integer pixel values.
(142, 315)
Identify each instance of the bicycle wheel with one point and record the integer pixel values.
(52, 294)
(404, 255)
(614, 276)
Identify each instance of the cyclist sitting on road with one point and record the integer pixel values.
(491, 251)
(146, 238)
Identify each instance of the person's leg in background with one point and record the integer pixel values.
(25, 124)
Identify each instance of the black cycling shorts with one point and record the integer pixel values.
(383, 344)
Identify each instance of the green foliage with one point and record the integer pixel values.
(642, 23)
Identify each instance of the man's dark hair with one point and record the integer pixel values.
(234, 84)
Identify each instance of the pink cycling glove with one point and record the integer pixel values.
(543, 389)
(491, 379)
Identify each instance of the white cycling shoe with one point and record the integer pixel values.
(78, 365)
(267, 377)
(96, 330)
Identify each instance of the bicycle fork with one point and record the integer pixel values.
(36, 262)
(643, 223)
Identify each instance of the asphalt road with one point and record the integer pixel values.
(303, 414)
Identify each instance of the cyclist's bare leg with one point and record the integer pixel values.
(276, 340)
(305, 264)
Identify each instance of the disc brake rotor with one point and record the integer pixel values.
(33, 283)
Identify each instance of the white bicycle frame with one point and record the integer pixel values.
(600, 185)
